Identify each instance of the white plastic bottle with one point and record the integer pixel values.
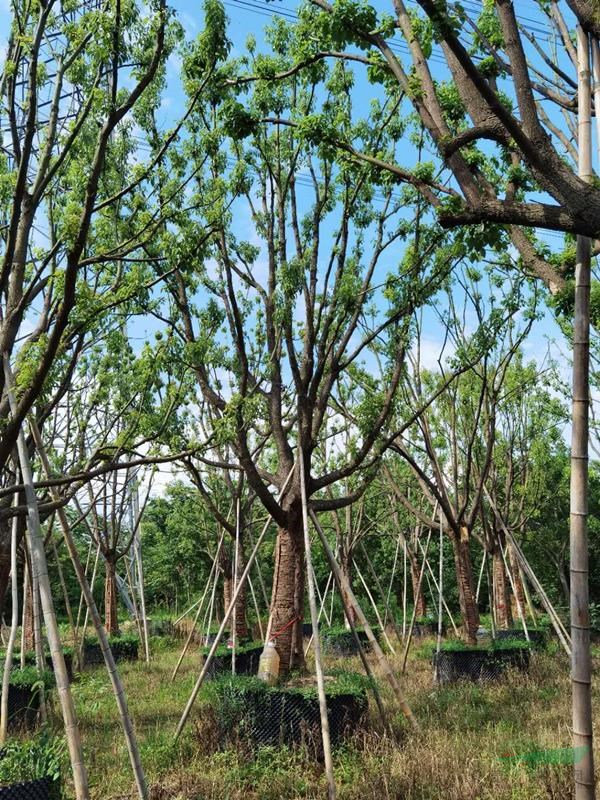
(268, 666)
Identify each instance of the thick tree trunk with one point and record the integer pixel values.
(111, 620)
(518, 597)
(287, 599)
(418, 594)
(346, 569)
(502, 609)
(239, 614)
(464, 579)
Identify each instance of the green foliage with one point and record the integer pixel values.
(44, 756)
(29, 677)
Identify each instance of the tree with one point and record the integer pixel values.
(285, 322)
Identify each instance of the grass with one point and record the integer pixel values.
(459, 752)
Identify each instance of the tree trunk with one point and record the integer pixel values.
(239, 614)
(5, 538)
(419, 602)
(111, 620)
(518, 597)
(287, 599)
(464, 579)
(501, 595)
(346, 569)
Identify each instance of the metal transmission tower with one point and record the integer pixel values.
(52, 51)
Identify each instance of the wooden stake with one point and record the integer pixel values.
(14, 624)
(312, 602)
(414, 612)
(379, 654)
(581, 665)
(111, 667)
(40, 570)
(226, 616)
(200, 606)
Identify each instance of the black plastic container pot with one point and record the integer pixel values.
(41, 789)
(282, 716)
(23, 706)
(536, 637)
(307, 629)
(246, 662)
(421, 629)
(343, 643)
(122, 650)
(450, 666)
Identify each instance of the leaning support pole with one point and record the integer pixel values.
(226, 616)
(387, 609)
(118, 690)
(361, 650)
(581, 665)
(555, 619)
(437, 588)
(414, 612)
(14, 624)
(38, 557)
(375, 609)
(379, 654)
(312, 602)
(200, 607)
(520, 608)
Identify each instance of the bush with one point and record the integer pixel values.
(42, 757)
(250, 712)
(30, 678)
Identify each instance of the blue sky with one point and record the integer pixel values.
(250, 17)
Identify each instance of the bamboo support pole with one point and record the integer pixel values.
(581, 664)
(515, 593)
(483, 560)
(392, 576)
(414, 611)
(200, 604)
(441, 587)
(14, 624)
(226, 616)
(386, 608)
(555, 619)
(437, 587)
(379, 654)
(312, 602)
(87, 592)
(375, 609)
(40, 570)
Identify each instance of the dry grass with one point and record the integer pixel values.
(457, 754)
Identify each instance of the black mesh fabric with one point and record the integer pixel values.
(122, 651)
(42, 789)
(246, 663)
(477, 665)
(23, 706)
(536, 637)
(277, 718)
(343, 643)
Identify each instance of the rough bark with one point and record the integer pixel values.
(502, 596)
(287, 600)
(111, 620)
(518, 597)
(419, 601)
(464, 579)
(241, 623)
(346, 570)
